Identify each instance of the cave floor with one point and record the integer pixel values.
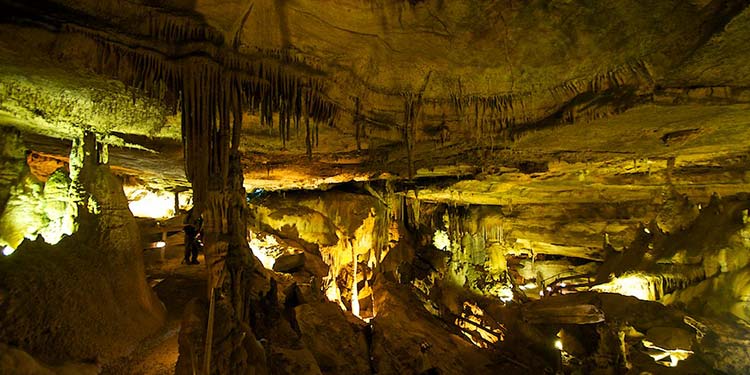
(175, 284)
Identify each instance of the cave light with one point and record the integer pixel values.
(472, 326)
(635, 285)
(504, 292)
(32, 223)
(266, 249)
(355, 294)
(147, 203)
(52, 234)
(7, 250)
(332, 292)
(675, 355)
(558, 344)
(441, 240)
(161, 244)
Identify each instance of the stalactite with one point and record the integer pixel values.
(317, 134)
(213, 90)
(504, 113)
(357, 121)
(355, 292)
(308, 140)
(282, 127)
(297, 111)
(412, 113)
(287, 122)
(406, 135)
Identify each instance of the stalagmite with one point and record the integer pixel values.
(355, 292)
(473, 156)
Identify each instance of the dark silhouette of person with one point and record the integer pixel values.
(192, 228)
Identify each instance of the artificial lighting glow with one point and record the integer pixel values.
(476, 329)
(61, 221)
(541, 293)
(7, 250)
(646, 230)
(266, 249)
(153, 204)
(332, 292)
(528, 286)
(563, 285)
(355, 291)
(636, 285)
(675, 355)
(441, 240)
(558, 344)
(549, 288)
(161, 244)
(504, 292)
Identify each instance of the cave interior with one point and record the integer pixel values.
(374, 187)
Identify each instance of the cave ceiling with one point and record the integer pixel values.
(511, 101)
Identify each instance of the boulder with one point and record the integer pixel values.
(228, 337)
(406, 339)
(670, 338)
(16, 361)
(85, 298)
(339, 347)
(289, 262)
(293, 361)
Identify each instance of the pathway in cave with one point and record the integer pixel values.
(175, 284)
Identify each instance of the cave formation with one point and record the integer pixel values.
(385, 187)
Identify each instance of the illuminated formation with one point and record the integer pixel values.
(374, 187)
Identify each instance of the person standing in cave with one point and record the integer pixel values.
(192, 228)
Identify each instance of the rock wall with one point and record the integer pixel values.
(453, 294)
(702, 267)
(86, 297)
(11, 162)
(336, 227)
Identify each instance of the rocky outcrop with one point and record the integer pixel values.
(448, 254)
(337, 341)
(335, 227)
(24, 214)
(15, 361)
(408, 339)
(193, 337)
(610, 333)
(476, 90)
(705, 257)
(86, 297)
(505, 151)
(11, 162)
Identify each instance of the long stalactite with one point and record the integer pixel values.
(213, 90)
